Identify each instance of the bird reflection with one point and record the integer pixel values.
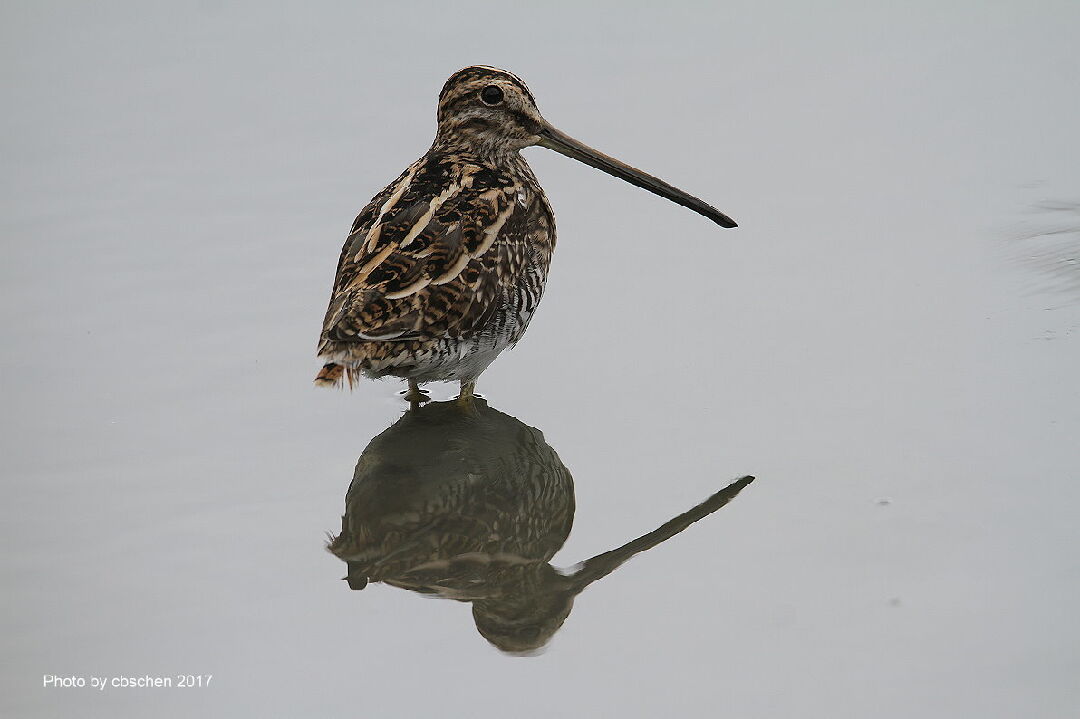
(465, 502)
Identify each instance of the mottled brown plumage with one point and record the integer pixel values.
(444, 268)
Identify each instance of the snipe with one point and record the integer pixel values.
(444, 268)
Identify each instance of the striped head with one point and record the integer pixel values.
(488, 110)
(491, 112)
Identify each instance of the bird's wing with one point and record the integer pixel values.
(428, 256)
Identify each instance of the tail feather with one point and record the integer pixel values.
(332, 374)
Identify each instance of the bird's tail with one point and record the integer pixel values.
(331, 375)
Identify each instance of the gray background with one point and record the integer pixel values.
(873, 343)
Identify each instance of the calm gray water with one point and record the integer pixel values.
(889, 343)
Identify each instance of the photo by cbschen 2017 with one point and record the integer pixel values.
(820, 465)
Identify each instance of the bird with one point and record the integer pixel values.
(444, 268)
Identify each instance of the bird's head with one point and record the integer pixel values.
(488, 109)
(492, 113)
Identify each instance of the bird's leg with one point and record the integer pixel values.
(465, 397)
(415, 395)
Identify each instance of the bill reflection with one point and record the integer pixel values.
(471, 504)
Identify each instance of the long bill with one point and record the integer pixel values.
(565, 145)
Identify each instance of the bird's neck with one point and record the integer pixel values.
(492, 151)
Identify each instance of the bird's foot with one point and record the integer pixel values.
(467, 398)
(416, 396)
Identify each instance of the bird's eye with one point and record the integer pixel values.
(492, 95)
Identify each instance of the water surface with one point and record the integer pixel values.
(870, 344)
